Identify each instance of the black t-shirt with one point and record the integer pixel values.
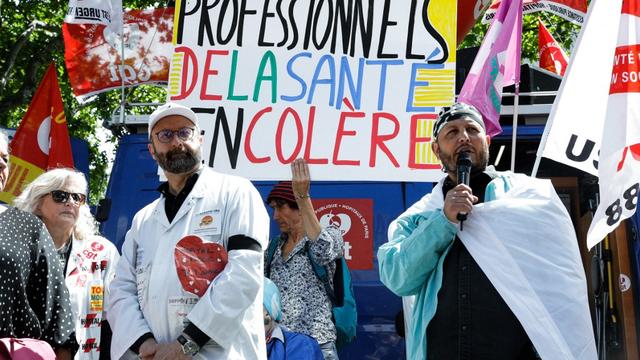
(172, 202)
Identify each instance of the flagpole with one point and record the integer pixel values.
(543, 143)
(515, 126)
(122, 72)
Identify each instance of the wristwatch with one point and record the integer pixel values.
(189, 347)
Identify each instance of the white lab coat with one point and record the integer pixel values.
(78, 278)
(147, 296)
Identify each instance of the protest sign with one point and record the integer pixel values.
(354, 87)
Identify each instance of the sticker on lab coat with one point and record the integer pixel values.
(179, 308)
(142, 283)
(198, 263)
(208, 222)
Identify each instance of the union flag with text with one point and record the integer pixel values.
(106, 48)
(619, 164)
(571, 10)
(41, 141)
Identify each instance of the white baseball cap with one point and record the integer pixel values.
(169, 109)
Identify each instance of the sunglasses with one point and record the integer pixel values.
(184, 134)
(62, 197)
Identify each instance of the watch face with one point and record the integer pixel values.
(190, 348)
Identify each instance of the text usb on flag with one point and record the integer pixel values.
(573, 132)
(496, 65)
(619, 166)
(41, 141)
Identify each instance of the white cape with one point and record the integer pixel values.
(536, 267)
(534, 264)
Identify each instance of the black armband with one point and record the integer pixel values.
(242, 242)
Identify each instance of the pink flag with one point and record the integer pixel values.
(497, 65)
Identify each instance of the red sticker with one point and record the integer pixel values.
(96, 246)
(198, 263)
(354, 219)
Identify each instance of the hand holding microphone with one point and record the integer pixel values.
(464, 172)
(460, 199)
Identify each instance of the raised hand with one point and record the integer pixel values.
(300, 178)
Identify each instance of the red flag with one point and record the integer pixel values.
(552, 57)
(468, 13)
(42, 140)
(93, 50)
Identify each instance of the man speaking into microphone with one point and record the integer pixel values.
(511, 284)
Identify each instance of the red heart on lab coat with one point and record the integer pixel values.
(198, 263)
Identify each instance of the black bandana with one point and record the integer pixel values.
(455, 112)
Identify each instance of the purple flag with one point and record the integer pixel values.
(497, 64)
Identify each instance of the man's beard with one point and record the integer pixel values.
(449, 164)
(179, 161)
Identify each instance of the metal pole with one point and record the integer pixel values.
(122, 72)
(515, 127)
(600, 289)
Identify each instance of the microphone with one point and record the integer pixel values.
(464, 172)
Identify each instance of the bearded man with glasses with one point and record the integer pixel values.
(189, 282)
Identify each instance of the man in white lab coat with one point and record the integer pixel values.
(189, 283)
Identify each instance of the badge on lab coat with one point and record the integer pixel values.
(208, 222)
(179, 308)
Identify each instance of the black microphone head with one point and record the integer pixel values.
(463, 168)
(464, 159)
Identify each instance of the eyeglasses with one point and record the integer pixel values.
(184, 134)
(62, 197)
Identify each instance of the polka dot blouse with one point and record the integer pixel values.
(34, 301)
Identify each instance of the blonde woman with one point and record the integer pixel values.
(58, 198)
(33, 302)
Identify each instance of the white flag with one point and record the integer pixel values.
(619, 166)
(105, 12)
(574, 128)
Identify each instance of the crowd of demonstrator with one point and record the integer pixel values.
(195, 280)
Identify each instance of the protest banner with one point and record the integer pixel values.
(94, 46)
(571, 10)
(354, 87)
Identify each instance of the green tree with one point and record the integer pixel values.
(562, 30)
(30, 39)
